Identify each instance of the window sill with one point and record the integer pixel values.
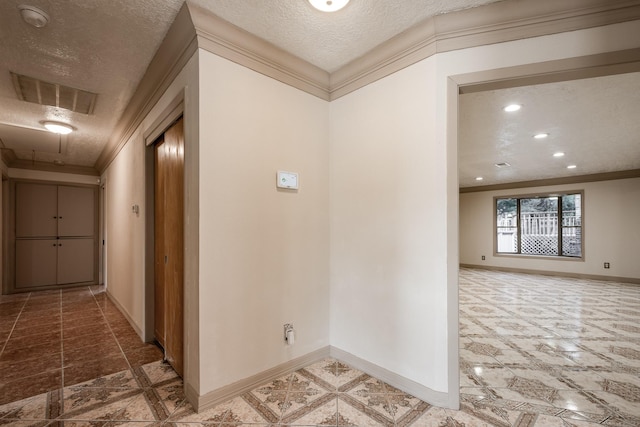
(539, 257)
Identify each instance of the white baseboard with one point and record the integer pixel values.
(215, 397)
(436, 398)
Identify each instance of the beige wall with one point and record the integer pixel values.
(388, 235)
(611, 210)
(394, 206)
(264, 252)
(363, 257)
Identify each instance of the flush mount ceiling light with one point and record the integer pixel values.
(328, 5)
(479, 178)
(512, 107)
(57, 127)
(571, 167)
(541, 135)
(558, 154)
(33, 15)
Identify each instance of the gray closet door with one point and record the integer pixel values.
(75, 260)
(36, 210)
(76, 216)
(36, 262)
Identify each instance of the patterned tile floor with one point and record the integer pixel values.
(535, 351)
(565, 349)
(53, 339)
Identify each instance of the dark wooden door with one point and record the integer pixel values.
(169, 244)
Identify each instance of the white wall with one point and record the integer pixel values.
(388, 211)
(610, 214)
(394, 197)
(264, 253)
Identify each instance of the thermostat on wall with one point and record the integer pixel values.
(287, 180)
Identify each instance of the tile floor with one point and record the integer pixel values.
(535, 351)
(558, 347)
(53, 339)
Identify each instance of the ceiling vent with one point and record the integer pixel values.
(55, 95)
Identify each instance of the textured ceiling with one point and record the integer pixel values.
(105, 47)
(94, 45)
(593, 121)
(330, 40)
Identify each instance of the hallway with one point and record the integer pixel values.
(54, 339)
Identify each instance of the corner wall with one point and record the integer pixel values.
(610, 231)
(394, 206)
(264, 252)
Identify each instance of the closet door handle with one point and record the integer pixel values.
(55, 217)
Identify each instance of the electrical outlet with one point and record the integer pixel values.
(483, 258)
(607, 265)
(287, 328)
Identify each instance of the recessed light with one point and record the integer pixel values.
(58, 127)
(328, 5)
(479, 178)
(558, 154)
(571, 167)
(512, 107)
(541, 135)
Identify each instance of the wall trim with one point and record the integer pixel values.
(222, 394)
(224, 39)
(415, 389)
(498, 22)
(178, 46)
(125, 313)
(629, 280)
(50, 167)
(607, 176)
(493, 23)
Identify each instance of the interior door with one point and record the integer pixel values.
(36, 210)
(76, 213)
(169, 242)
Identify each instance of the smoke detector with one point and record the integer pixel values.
(33, 15)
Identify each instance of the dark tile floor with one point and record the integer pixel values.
(54, 339)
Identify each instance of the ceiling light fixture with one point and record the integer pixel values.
(479, 178)
(512, 107)
(541, 135)
(571, 167)
(558, 154)
(328, 5)
(33, 15)
(57, 127)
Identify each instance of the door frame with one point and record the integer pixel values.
(579, 67)
(168, 116)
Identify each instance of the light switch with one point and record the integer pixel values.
(287, 180)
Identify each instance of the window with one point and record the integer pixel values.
(548, 225)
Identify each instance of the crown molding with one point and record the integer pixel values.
(176, 49)
(50, 167)
(606, 176)
(195, 27)
(224, 39)
(493, 23)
